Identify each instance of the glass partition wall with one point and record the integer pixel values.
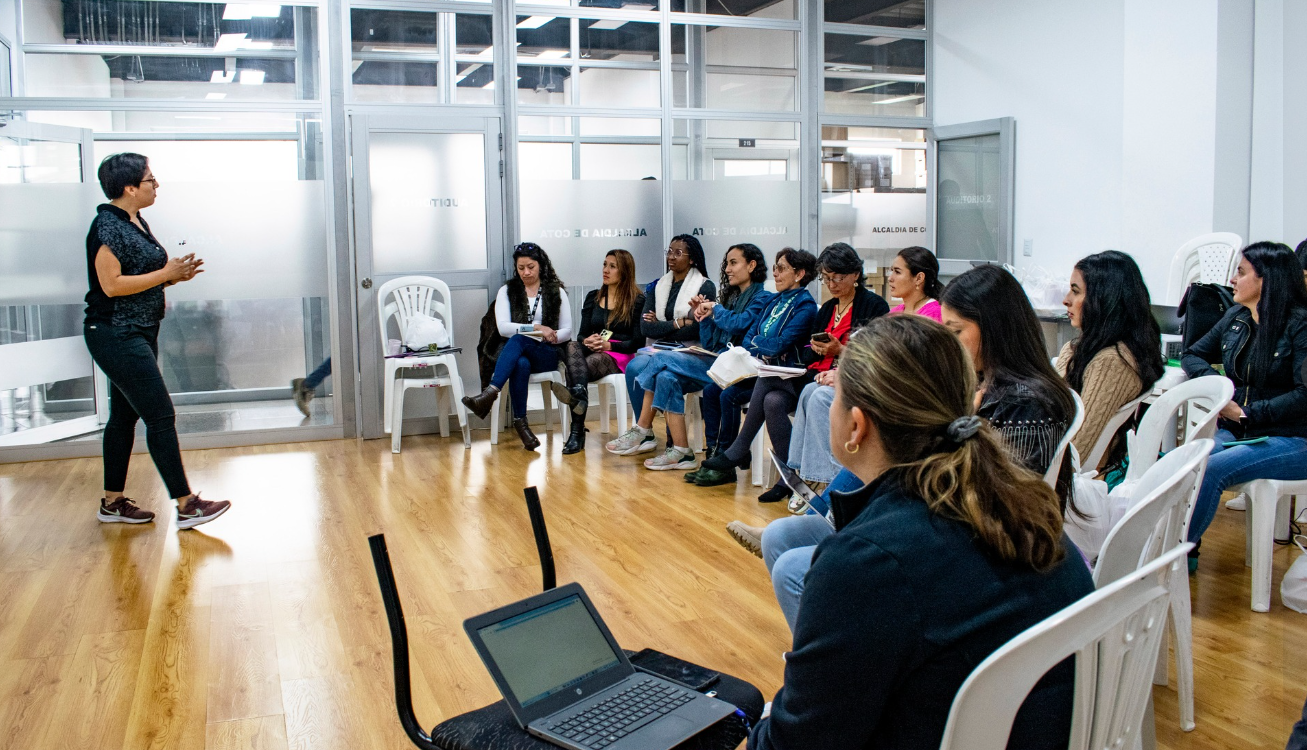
(292, 140)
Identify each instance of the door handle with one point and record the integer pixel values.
(366, 283)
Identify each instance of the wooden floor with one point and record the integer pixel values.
(264, 630)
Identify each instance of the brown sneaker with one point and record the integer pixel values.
(122, 510)
(301, 395)
(749, 537)
(200, 511)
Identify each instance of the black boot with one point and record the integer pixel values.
(529, 440)
(576, 439)
(561, 392)
(579, 398)
(483, 402)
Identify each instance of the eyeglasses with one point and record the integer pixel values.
(778, 268)
(672, 253)
(152, 180)
(834, 278)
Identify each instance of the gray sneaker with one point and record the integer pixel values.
(631, 442)
(672, 458)
(301, 395)
(749, 537)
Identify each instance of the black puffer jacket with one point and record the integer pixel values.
(1276, 405)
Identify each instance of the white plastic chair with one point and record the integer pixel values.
(613, 387)
(1122, 415)
(1198, 402)
(401, 299)
(694, 421)
(1267, 517)
(1114, 633)
(498, 418)
(1050, 476)
(1207, 258)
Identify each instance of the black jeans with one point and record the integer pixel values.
(129, 356)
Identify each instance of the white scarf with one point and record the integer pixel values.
(689, 287)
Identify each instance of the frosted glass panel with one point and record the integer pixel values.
(45, 222)
(969, 187)
(726, 212)
(875, 221)
(577, 222)
(428, 193)
(31, 161)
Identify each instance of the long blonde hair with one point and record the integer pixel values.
(912, 379)
(621, 307)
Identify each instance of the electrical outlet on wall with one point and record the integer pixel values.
(1028, 248)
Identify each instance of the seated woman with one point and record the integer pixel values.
(609, 337)
(914, 278)
(1116, 357)
(935, 563)
(1020, 396)
(533, 313)
(1262, 345)
(664, 378)
(780, 336)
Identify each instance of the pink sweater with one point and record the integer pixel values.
(928, 310)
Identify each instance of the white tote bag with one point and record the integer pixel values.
(732, 366)
(1293, 589)
(421, 331)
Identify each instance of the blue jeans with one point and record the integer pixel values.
(721, 412)
(670, 375)
(520, 357)
(1298, 737)
(1276, 458)
(787, 547)
(128, 354)
(316, 377)
(810, 453)
(844, 481)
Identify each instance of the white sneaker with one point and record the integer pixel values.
(1238, 502)
(631, 442)
(672, 458)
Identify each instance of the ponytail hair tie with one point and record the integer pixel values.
(963, 429)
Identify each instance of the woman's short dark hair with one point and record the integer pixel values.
(921, 260)
(1116, 311)
(535, 252)
(726, 293)
(697, 261)
(120, 171)
(841, 258)
(800, 260)
(1282, 290)
(1301, 252)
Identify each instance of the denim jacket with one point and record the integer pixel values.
(1278, 407)
(729, 324)
(782, 345)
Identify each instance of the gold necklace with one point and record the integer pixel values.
(840, 315)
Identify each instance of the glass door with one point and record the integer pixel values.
(49, 388)
(973, 193)
(428, 201)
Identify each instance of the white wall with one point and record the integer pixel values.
(1279, 148)
(1058, 68)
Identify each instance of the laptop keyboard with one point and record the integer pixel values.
(623, 713)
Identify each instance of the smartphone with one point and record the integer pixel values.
(822, 336)
(690, 675)
(605, 335)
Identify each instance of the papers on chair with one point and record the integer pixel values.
(537, 335)
(700, 351)
(774, 371)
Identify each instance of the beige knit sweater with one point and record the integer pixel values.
(1111, 381)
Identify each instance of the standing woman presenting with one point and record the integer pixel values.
(127, 269)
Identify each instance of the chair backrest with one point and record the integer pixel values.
(1208, 258)
(1158, 515)
(1121, 416)
(1054, 468)
(414, 295)
(1114, 633)
(1205, 397)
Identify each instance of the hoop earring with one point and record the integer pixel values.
(852, 450)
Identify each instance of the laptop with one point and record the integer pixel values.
(567, 682)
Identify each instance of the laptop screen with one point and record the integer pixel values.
(548, 649)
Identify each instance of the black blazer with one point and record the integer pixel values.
(899, 607)
(867, 306)
(627, 337)
(1278, 407)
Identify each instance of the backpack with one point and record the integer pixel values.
(1201, 308)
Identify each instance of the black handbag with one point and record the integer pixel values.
(1201, 308)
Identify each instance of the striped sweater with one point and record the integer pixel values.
(1111, 381)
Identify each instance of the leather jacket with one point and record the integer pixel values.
(1274, 405)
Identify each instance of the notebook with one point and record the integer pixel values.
(567, 682)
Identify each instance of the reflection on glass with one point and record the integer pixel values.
(876, 54)
(618, 40)
(968, 201)
(544, 84)
(875, 75)
(909, 14)
(784, 9)
(873, 189)
(474, 35)
(219, 26)
(871, 96)
(392, 31)
(29, 161)
(544, 37)
(747, 69)
(143, 76)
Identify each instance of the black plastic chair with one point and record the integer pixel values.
(494, 727)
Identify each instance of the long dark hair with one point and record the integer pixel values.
(726, 293)
(533, 251)
(1116, 311)
(1282, 290)
(921, 260)
(1011, 341)
(911, 378)
(697, 261)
